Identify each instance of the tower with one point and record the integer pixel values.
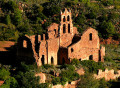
(66, 25)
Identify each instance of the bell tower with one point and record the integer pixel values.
(66, 25)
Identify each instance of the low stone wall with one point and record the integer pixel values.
(107, 74)
(67, 85)
(42, 77)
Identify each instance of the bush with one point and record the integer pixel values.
(4, 74)
(64, 80)
(56, 80)
(75, 62)
(88, 81)
(92, 65)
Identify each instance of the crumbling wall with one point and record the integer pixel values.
(102, 53)
(43, 53)
(53, 30)
(24, 49)
(87, 48)
(52, 49)
(107, 74)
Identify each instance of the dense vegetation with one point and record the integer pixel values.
(32, 16)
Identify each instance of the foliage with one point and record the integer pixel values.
(92, 65)
(10, 83)
(56, 80)
(107, 29)
(75, 62)
(4, 74)
(69, 73)
(88, 81)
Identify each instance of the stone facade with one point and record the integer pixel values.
(61, 44)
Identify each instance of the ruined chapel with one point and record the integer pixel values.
(61, 44)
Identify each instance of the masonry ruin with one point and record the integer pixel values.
(61, 44)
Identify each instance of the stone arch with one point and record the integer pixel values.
(64, 28)
(90, 36)
(52, 60)
(42, 60)
(91, 57)
(68, 28)
(68, 18)
(64, 19)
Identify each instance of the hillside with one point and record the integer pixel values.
(32, 17)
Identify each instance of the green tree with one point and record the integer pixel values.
(107, 29)
(17, 17)
(88, 81)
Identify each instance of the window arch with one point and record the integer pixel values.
(64, 19)
(90, 36)
(42, 60)
(64, 28)
(68, 18)
(68, 28)
(91, 57)
(55, 31)
(52, 60)
(72, 50)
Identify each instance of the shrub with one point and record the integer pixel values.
(75, 62)
(56, 80)
(64, 80)
(92, 65)
(68, 67)
(4, 74)
(88, 81)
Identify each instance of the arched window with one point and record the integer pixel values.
(42, 59)
(68, 28)
(91, 57)
(72, 50)
(64, 19)
(64, 28)
(90, 36)
(24, 43)
(52, 60)
(55, 31)
(68, 18)
(42, 37)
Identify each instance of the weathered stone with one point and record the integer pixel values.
(107, 74)
(61, 44)
(42, 77)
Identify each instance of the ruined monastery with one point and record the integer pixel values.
(61, 44)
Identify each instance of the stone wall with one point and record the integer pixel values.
(107, 74)
(53, 48)
(86, 48)
(42, 77)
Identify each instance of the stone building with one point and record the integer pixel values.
(61, 44)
